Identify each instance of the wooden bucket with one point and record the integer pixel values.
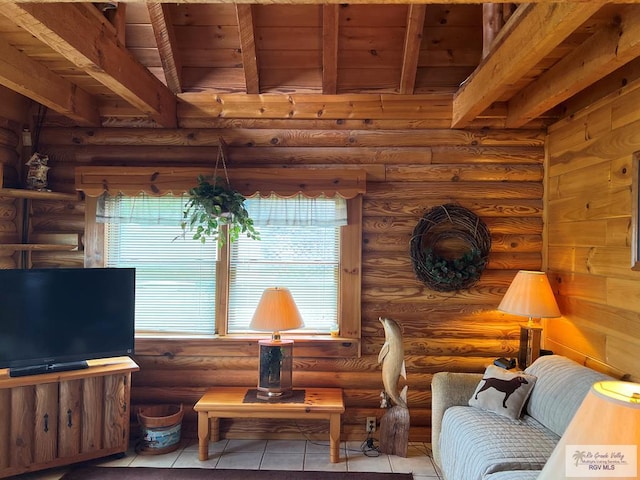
(161, 427)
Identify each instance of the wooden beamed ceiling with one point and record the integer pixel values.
(364, 61)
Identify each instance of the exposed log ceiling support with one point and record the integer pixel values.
(119, 22)
(31, 79)
(165, 38)
(251, 62)
(322, 2)
(248, 47)
(330, 21)
(605, 51)
(315, 106)
(492, 22)
(412, 41)
(532, 32)
(74, 32)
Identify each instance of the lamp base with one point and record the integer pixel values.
(274, 396)
(276, 369)
(530, 338)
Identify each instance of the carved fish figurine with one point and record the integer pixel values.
(392, 358)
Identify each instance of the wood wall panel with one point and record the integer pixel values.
(495, 173)
(588, 208)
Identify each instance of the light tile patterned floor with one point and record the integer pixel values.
(298, 455)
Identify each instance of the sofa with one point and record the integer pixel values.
(474, 441)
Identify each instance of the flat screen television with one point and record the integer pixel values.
(56, 319)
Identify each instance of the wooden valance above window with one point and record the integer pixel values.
(311, 182)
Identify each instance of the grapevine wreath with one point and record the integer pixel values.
(439, 238)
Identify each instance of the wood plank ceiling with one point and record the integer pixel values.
(269, 60)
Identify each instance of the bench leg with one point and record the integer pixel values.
(215, 429)
(334, 438)
(203, 436)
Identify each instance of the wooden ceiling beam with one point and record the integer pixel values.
(412, 43)
(605, 51)
(120, 22)
(21, 74)
(531, 33)
(162, 25)
(492, 23)
(334, 2)
(246, 31)
(75, 33)
(319, 106)
(330, 27)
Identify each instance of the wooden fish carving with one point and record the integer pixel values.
(392, 358)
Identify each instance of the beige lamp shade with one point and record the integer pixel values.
(603, 437)
(276, 311)
(530, 295)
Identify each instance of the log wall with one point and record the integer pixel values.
(411, 166)
(590, 234)
(13, 115)
(29, 220)
(497, 174)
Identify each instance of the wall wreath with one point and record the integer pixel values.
(450, 248)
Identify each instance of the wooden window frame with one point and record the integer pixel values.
(349, 283)
(94, 181)
(635, 212)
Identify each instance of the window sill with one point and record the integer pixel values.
(242, 346)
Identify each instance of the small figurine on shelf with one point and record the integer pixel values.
(37, 174)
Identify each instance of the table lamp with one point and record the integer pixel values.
(603, 437)
(276, 311)
(530, 295)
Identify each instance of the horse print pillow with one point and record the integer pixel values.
(503, 392)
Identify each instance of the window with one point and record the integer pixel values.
(175, 280)
(300, 248)
(215, 269)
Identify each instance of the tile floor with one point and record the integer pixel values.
(296, 455)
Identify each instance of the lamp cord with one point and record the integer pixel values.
(369, 448)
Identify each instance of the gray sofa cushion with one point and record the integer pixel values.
(448, 389)
(514, 475)
(561, 386)
(475, 443)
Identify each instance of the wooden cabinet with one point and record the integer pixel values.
(56, 419)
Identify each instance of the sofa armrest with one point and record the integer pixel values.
(448, 389)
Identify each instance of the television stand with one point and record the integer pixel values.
(48, 368)
(55, 419)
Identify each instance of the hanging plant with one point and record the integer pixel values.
(441, 231)
(212, 204)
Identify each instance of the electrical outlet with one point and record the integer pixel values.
(371, 424)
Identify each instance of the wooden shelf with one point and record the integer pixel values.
(27, 247)
(37, 246)
(36, 195)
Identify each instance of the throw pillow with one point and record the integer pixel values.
(503, 392)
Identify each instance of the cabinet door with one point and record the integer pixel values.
(93, 401)
(22, 421)
(46, 423)
(69, 418)
(5, 423)
(116, 411)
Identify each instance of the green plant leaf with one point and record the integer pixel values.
(211, 205)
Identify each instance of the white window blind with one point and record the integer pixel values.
(299, 249)
(175, 278)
